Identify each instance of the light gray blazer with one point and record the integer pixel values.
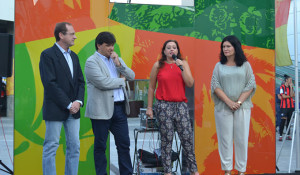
(100, 86)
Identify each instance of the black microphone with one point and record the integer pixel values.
(175, 58)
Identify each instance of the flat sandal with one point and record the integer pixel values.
(227, 173)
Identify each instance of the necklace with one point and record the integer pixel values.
(172, 65)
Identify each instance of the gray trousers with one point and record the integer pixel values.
(233, 126)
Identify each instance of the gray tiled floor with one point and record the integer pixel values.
(284, 159)
(148, 143)
(6, 142)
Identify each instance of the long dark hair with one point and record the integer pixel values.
(164, 57)
(239, 57)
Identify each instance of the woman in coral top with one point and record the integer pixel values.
(171, 104)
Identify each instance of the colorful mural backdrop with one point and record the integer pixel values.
(140, 31)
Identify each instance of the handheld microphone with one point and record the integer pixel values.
(175, 58)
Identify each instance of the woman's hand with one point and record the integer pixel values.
(149, 112)
(236, 106)
(233, 105)
(178, 62)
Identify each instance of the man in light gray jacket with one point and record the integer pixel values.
(107, 102)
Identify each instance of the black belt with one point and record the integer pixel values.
(119, 102)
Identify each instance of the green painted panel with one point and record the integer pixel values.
(172, 19)
(252, 21)
(25, 98)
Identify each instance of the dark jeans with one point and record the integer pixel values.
(278, 114)
(118, 126)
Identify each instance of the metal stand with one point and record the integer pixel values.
(294, 116)
(135, 158)
(7, 170)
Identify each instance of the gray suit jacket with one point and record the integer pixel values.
(100, 86)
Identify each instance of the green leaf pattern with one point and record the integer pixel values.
(251, 21)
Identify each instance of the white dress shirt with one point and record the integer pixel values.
(67, 55)
(118, 93)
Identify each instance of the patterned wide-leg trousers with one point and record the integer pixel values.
(171, 116)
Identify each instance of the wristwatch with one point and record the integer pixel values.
(239, 102)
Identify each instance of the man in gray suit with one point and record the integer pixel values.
(107, 102)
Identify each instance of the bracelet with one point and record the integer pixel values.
(149, 107)
(239, 102)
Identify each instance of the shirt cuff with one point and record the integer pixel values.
(69, 106)
(79, 102)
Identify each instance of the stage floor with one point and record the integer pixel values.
(133, 123)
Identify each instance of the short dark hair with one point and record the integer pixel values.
(60, 27)
(164, 57)
(105, 37)
(286, 77)
(240, 57)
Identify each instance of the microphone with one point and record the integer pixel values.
(175, 58)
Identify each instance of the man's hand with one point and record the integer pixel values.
(75, 107)
(122, 76)
(115, 58)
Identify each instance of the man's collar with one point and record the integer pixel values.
(63, 50)
(102, 56)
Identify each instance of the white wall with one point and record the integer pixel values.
(290, 30)
(7, 10)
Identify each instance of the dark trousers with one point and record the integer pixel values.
(285, 117)
(118, 126)
(278, 114)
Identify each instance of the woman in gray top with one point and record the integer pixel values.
(232, 86)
